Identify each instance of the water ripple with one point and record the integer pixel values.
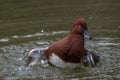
(4, 40)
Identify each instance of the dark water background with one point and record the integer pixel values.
(27, 24)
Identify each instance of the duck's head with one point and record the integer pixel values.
(80, 27)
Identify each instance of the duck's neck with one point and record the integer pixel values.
(77, 35)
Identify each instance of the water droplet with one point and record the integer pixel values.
(42, 30)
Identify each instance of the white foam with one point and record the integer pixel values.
(40, 34)
(15, 36)
(59, 32)
(4, 40)
(108, 44)
(107, 38)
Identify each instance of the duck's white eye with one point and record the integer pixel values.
(79, 26)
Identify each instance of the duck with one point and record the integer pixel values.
(68, 51)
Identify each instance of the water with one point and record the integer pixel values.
(28, 24)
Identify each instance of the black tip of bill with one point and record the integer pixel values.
(90, 38)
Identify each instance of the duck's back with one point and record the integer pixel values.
(69, 49)
(59, 47)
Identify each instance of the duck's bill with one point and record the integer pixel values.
(86, 34)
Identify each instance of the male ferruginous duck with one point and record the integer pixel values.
(69, 51)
